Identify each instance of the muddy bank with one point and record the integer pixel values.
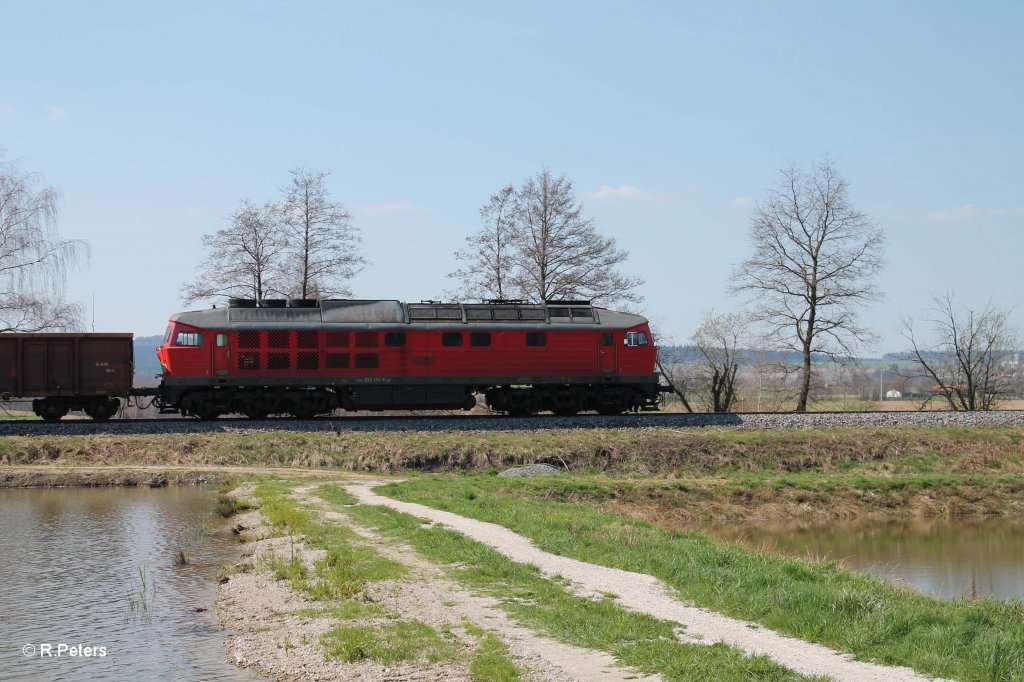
(60, 478)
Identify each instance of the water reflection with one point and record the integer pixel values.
(945, 558)
(72, 561)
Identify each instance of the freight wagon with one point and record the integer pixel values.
(65, 372)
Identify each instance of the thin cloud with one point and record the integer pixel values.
(997, 213)
(55, 114)
(388, 208)
(956, 214)
(621, 193)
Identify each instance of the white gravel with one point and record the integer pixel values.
(646, 594)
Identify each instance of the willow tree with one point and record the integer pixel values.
(34, 259)
(814, 266)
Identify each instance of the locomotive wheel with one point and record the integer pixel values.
(566, 411)
(206, 412)
(256, 414)
(304, 414)
(609, 411)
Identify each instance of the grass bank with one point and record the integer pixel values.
(696, 452)
(697, 474)
(818, 602)
(637, 640)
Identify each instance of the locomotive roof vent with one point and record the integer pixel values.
(552, 301)
(241, 303)
(273, 303)
(303, 303)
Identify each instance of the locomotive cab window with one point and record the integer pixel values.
(607, 340)
(536, 339)
(188, 339)
(394, 339)
(451, 339)
(636, 338)
(222, 340)
(480, 339)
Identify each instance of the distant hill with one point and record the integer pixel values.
(146, 364)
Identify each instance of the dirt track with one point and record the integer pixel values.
(649, 595)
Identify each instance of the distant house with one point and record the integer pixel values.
(893, 394)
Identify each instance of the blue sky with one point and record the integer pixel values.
(155, 119)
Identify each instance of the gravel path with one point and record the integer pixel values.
(748, 421)
(646, 594)
(429, 595)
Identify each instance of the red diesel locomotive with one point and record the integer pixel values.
(308, 357)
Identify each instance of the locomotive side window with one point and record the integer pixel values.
(451, 339)
(607, 340)
(189, 339)
(536, 339)
(394, 339)
(479, 339)
(222, 340)
(636, 338)
(366, 339)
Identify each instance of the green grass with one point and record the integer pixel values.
(547, 606)
(819, 602)
(347, 566)
(388, 643)
(491, 662)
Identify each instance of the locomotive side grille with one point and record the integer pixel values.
(367, 360)
(366, 339)
(308, 360)
(559, 312)
(306, 339)
(248, 338)
(532, 314)
(278, 361)
(248, 361)
(337, 361)
(506, 314)
(337, 339)
(278, 338)
(478, 314)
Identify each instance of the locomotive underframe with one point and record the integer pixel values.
(512, 395)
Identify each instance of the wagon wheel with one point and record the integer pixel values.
(104, 410)
(51, 411)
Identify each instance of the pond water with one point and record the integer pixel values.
(944, 558)
(96, 569)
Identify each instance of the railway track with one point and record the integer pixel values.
(381, 423)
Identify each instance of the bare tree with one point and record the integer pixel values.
(34, 260)
(324, 244)
(244, 260)
(489, 254)
(968, 361)
(561, 254)
(814, 266)
(719, 340)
